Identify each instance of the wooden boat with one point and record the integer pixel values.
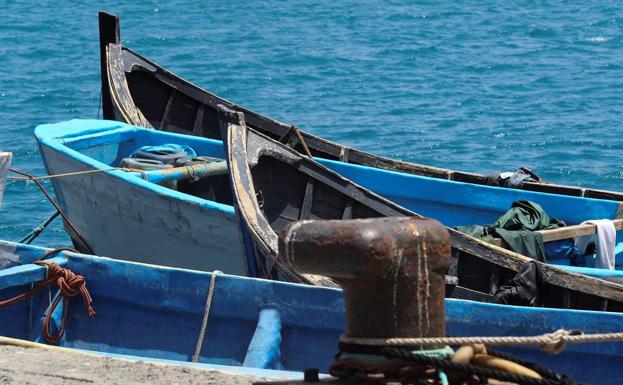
(119, 213)
(275, 185)
(138, 91)
(154, 313)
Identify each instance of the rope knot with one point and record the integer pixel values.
(69, 284)
(555, 343)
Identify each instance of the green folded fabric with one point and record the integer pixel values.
(517, 227)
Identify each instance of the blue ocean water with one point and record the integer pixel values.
(462, 85)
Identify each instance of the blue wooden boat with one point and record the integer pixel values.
(155, 313)
(121, 215)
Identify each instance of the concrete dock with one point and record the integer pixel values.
(26, 365)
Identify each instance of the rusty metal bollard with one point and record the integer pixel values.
(391, 270)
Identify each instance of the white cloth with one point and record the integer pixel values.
(605, 238)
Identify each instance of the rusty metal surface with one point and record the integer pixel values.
(391, 269)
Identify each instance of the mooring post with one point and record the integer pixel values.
(109, 33)
(391, 270)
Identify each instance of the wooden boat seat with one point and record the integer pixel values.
(568, 232)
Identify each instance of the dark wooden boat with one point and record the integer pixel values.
(274, 185)
(138, 91)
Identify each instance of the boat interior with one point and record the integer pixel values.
(113, 144)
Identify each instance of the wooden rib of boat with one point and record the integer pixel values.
(154, 313)
(274, 185)
(140, 92)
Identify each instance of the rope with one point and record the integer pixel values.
(69, 284)
(56, 206)
(53, 176)
(206, 313)
(542, 370)
(30, 237)
(37, 231)
(551, 343)
(54, 252)
(298, 135)
(468, 369)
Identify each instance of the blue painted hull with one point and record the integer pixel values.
(122, 215)
(156, 312)
(458, 204)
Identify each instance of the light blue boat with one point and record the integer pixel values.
(119, 213)
(154, 312)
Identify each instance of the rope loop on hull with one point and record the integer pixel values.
(69, 285)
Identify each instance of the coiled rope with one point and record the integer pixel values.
(69, 284)
(549, 378)
(551, 343)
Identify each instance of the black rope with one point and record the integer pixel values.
(467, 369)
(54, 252)
(56, 206)
(28, 239)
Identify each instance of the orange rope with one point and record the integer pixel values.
(69, 285)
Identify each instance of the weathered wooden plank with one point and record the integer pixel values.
(109, 33)
(575, 231)
(167, 110)
(348, 210)
(5, 163)
(120, 94)
(308, 199)
(198, 126)
(568, 232)
(494, 282)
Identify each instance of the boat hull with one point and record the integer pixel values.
(122, 216)
(156, 312)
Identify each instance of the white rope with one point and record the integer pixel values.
(26, 178)
(206, 313)
(552, 343)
